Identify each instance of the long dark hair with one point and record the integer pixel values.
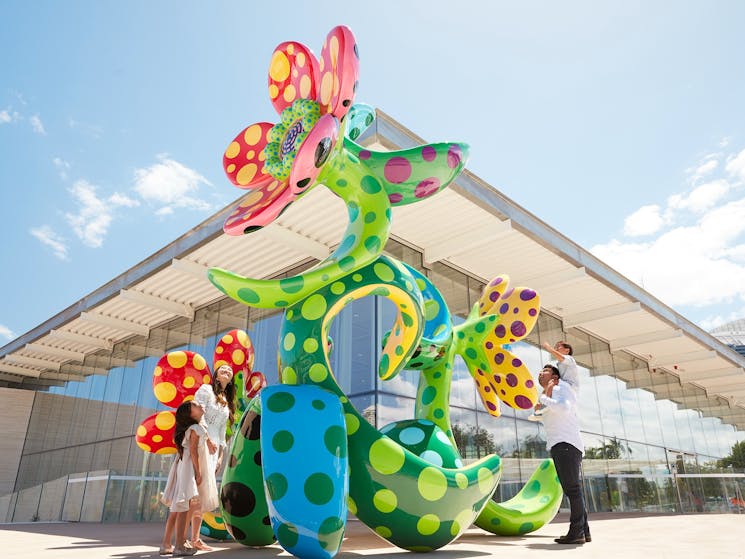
(184, 420)
(225, 395)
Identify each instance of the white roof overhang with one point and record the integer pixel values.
(487, 234)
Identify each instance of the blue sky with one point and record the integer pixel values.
(622, 124)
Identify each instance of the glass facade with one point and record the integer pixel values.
(644, 452)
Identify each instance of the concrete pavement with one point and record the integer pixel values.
(614, 536)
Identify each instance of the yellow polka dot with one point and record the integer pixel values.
(166, 450)
(289, 342)
(165, 420)
(251, 198)
(461, 480)
(334, 50)
(246, 174)
(220, 362)
(432, 484)
(486, 480)
(206, 379)
(461, 522)
(305, 87)
(351, 505)
(336, 85)
(199, 362)
(385, 500)
(290, 49)
(189, 382)
(273, 91)
(157, 372)
(243, 338)
(289, 93)
(233, 149)
(239, 356)
(428, 524)
(141, 431)
(300, 59)
(189, 398)
(176, 359)
(352, 423)
(289, 376)
(318, 372)
(144, 446)
(321, 64)
(219, 349)
(327, 84)
(310, 345)
(262, 156)
(157, 438)
(230, 168)
(252, 135)
(250, 154)
(383, 531)
(279, 67)
(386, 457)
(164, 391)
(294, 72)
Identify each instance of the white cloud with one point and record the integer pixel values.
(736, 166)
(62, 167)
(7, 116)
(91, 223)
(48, 237)
(644, 221)
(37, 125)
(172, 185)
(6, 332)
(700, 198)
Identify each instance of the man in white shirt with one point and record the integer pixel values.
(565, 445)
(563, 353)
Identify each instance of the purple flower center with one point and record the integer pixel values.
(288, 144)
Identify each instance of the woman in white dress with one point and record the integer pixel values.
(218, 402)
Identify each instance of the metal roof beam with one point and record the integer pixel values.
(65, 377)
(654, 379)
(190, 268)
(74, 337)
(719, 381)
(677, 358)
(12, 378)
(86, 370)
(464, 242)
(116, 323)
(155, 302)
(717, 374)
(556, 280)
(610, 311)
(297, 241)
(33, 361)
(623, 343)
(56, 352)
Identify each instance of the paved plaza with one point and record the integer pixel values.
(614, 536)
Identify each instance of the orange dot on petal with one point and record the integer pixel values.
(219, 349)
(252, 134)
(199, 362)
(336, 85)
(327, 83)
(157, 372)
(334, 50)
(321, 64)
(141, 431)
(188, 382)
(243, 338)
(273, 91)
(300, 59)
(246, 174)
(294, 72)
(250, 154)
(164, 392)
(143, 446)
(165, 420)
(206, 379)
(189, 398)
(233, 149)
(227, 339)
(305, 86)
(289, 93)
(290, 48)
(279, 67)
(157, 438)
(230, 168)
(262, 156)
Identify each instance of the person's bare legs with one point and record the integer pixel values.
(195, 515)
(165, 546)
(181, 519)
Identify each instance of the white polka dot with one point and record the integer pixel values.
(425, 422)
(443, 437)
(387, 428)
(411, 435)
(432, 457)
(458, 463)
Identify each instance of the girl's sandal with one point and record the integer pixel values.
(201, 546)
(165, 551)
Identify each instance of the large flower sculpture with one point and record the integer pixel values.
(280, 162)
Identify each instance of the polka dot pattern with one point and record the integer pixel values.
(307, 504)
(293, 74)
(180, 374)
(241, 161)
(339, 68)
(155, 433)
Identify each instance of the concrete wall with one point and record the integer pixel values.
(15, 411)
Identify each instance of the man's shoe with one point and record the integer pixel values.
(588, 539)
(572, 540)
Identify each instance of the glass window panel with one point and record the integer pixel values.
(464, 426)
(394, 408)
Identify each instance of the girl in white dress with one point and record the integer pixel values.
(191, 487)
(218, 401)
